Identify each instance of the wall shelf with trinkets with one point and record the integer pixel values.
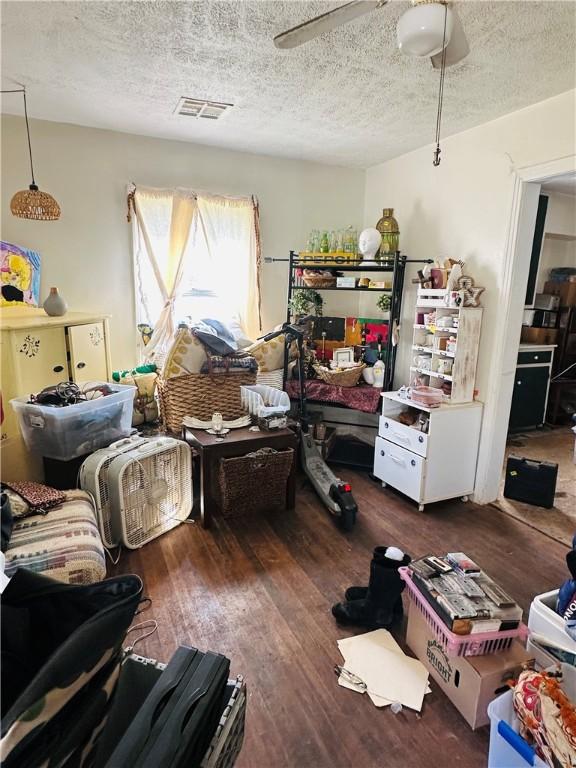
(38, 351)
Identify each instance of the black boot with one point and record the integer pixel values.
(359, 593)
(381, 603)
(379, 553)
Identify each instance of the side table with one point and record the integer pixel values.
(236, 443)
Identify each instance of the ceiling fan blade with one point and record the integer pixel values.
(326, 22)
(457, 49)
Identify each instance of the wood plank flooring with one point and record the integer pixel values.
(259, 590)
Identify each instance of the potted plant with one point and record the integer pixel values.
(383, 304)
(306, 302)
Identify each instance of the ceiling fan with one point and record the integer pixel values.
(427, 29)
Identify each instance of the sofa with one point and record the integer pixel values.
(64, 544)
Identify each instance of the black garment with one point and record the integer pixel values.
(7, 521)
(61, 650)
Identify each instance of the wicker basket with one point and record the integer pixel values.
(200, 395)
(318, 281)
(346, 378)
(254, 483)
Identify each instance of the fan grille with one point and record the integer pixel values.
(155, 494)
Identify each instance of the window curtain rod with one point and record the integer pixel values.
(193, 194)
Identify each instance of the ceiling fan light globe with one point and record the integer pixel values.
(420, 30)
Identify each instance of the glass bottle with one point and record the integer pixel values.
(324, 243)
(388, 228)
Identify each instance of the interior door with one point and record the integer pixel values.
(87, 345)
(529, 398)
(40, 359)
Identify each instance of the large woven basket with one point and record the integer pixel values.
(349, 377)
(254, 483)
(201, 395)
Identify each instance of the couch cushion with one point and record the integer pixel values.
(64, 544)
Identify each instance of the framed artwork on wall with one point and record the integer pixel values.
(19, 275)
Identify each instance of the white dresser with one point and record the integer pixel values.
(428, 466)
(37, 351)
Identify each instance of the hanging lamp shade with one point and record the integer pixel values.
(31, 203)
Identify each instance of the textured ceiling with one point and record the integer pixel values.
(349, 98)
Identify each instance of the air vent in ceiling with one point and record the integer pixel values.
(210, 110)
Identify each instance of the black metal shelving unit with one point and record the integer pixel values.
(395, 265)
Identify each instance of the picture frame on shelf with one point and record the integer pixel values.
(343, 355)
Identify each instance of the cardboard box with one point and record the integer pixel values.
(470, 682)
(566, 291)
(538, 335)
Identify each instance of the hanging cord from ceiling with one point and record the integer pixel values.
(437, 151)
(23, 92)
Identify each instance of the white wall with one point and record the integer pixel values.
(462, 209)
(560, 214)
(555, 253)
(87, 254)
(559, 244)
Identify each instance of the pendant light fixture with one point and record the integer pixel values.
(32, 203)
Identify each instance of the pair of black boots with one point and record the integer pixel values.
(378, 605)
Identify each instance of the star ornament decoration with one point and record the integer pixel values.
(469, 291)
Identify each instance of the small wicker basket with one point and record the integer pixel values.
(254, 482)
(346, 378)
(200, 395)
(318, 281)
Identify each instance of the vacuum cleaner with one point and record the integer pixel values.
(335, 494)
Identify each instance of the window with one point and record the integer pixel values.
(196, 256)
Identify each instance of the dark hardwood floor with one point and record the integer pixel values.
(259, 590)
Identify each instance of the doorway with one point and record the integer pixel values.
(539, 421)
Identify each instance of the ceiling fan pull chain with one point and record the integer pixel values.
(437, 151)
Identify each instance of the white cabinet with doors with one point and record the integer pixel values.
(38, 351)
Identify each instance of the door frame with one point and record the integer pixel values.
(525, 194)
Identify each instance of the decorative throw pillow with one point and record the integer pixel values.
(186, 355)
(268, 354)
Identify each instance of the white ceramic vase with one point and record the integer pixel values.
(55, 305)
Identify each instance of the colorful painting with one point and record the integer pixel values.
(19, 275)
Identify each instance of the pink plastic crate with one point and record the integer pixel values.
(461, 645)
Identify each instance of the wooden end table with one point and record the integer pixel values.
(236, 443)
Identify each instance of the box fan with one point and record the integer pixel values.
(142, 488)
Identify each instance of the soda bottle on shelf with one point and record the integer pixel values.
(324, 243)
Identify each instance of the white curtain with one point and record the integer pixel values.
(229, 234)
(184, 239)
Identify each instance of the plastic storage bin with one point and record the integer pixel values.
(460, 645)
(507, 748)
(262, 400)
(544, 622)
(75, 430)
